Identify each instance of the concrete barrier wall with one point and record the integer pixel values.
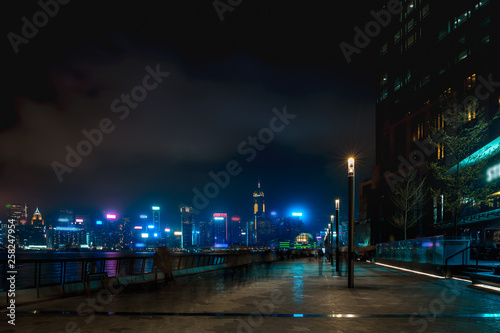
(29, 295)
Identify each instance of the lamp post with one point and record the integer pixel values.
(350, 261)
(337, 250)
(331, 239)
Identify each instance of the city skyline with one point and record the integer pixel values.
(221, 91)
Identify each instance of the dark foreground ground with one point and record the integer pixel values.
(292, 296)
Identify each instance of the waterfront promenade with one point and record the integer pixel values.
(291, 296)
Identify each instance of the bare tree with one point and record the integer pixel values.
(459, 174)
(409, 197)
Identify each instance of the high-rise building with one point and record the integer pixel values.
(259, 209)
(186, 227)
(156, 217)
(221, 232)
(430, 50)
(18, 212)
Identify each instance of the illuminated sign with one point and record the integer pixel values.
(111, 216)
(79, 220)
(167, 229)
(178, 233)
(235, 219)
(98, 222)
(151, 226)
(220, 245)
(224, 215)
(156, 208)
(138, 227)
(219, 218)
(143, 216)
(493, 173)
(296, 214)
(145, 235)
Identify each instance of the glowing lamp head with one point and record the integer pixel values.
(337, 203)
(350, 166)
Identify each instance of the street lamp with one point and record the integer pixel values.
(337, 252)
(350, 261)
(331, 240)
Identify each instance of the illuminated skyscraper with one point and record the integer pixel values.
(259, 207)
(156, 217)
(220, 228)
(186, 227)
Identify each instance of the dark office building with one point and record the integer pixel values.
(430, 50)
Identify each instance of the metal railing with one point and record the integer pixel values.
(38, 273)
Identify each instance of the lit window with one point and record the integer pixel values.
(470, 82)
(384, 79)
(439, 122)
(471, 109)
(440, 151)
(462, 55)
(397, 83)
(461, 19)
(383, 95)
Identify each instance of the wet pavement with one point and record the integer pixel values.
(291, 296)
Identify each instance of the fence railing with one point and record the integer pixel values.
(38, 273)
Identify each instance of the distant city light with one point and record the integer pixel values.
(296, 214)
(8, 205)
(243, 233)
(273, 213)
(217, 218)
(235, 219)
(145, 235)
(79, 220)
(178, 233)
(151, 226)
(155, 234)
(156, 208)
(67, 228)
(111, 216)
(140, 245)
(167, 229)
(221, 245)
(138, 227)
(63, 219)
(143, 216)
(99, 222)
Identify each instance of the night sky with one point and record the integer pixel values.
(225, 78)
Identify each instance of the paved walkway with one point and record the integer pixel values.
(292, 296)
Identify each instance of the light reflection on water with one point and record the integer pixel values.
(298, 285)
